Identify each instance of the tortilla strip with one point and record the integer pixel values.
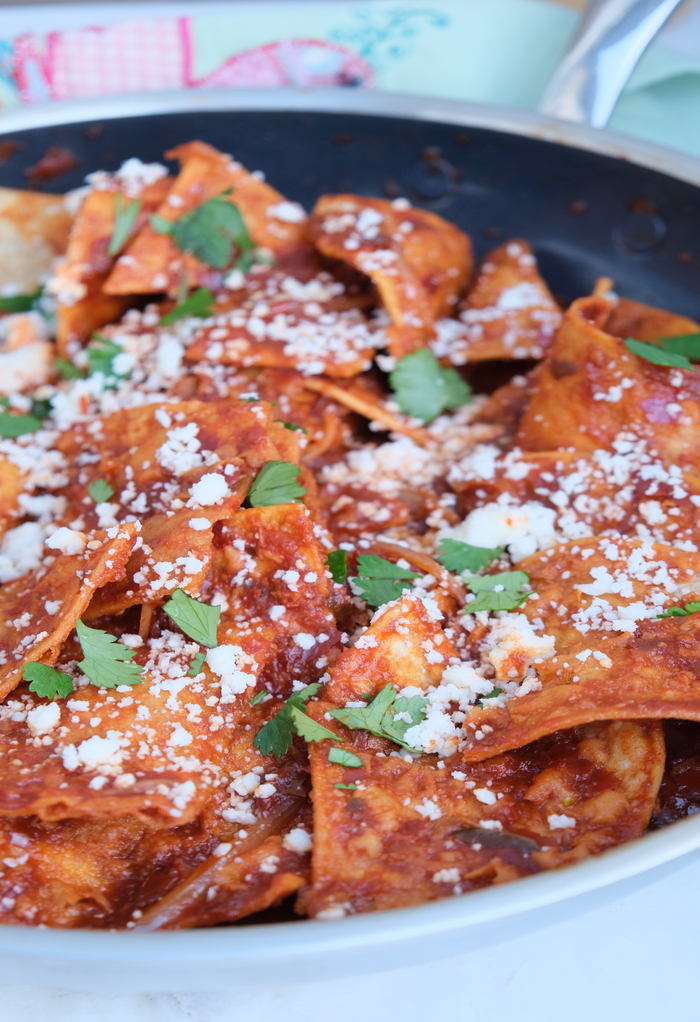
(614, 659)
(419, 262)
(34, 229)
(508, 313)
(415, 831)
(153, 262)
(645, 323)
(29, 631)
(591, 387)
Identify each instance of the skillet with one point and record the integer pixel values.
(591, 204)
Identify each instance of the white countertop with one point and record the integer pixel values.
(634, 958)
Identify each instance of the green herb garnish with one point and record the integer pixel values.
(346, 787)
(19, 303)
(344, 758)
(197, 663)
(489, 695)
(124, 220)
(106, 661)
(380, 581)
(196, 619)
(210, 232)
(199, 303)
(658, 355)
(47, 682)
(422, 388)
(67, 370)
(277, 735)
(458, 557)
(100, 491)
(293, 426)
(12, 426)
(690, 608)
(259, 697)
(100, 354)
(379, 717)
(337, 562)
(275, 483)
(496, 592)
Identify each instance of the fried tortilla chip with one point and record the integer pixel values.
(419, 262)
(591, 646)
(591, 387)
(414, 830)
(153, 262)
(646, 323)
(508, 313)
(39, 610)
(34, 230)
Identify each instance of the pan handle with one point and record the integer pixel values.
(611, 38)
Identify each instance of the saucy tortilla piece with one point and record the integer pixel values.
(412, 831)
(591, 645)
(509, 311)
(155, 750)
(277, 320)
(404, 644)
(418, 262)
(591, 387)
(39, 610)
(34, 229)
(11, 486)
(271, 579)
(645, 322)
(153, 261)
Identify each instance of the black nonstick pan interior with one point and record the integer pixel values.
(586, 215)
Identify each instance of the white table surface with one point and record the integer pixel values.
(635, 958)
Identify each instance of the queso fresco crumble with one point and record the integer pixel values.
(291, 611)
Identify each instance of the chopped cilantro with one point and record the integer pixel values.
(12, 426)
(41, 408)
(380, 581)
(275, 483)
(458, 557)
(344, 758)
(196, 619)
(19, 303)
(659, 356)
(683, 344)
(210, 232)
(48, 682)
(293, 426)
(422, 388)
(100, 491)
(337, 562)
(259, 697)
(379, 717)
(489, 695)
(100, 354)
(106, 661)
(199, 303)
(124, 220)
(67, 370)
(690, 608)
(346, 787)
(197, 663)
(496, 592)
(277, 735)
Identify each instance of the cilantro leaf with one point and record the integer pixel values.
(100, 354)
(276, 736)
(48, 682)
(100, 491)
(19, 303)
(210, 232)
(379, 717)
(12, 426)
(67, 370)
(293, 426)
(197, 663)
(458, 557)
(346, 787)
(106, 661)
(344, 758)
(683, 344)
(422, 388)
(337, 562)
(372, 566)
(41, 408)
(199, 303)
(489, 695)
(658, 356)
(198, 620)
(259, 697)
(124, 220)
(310, 730)
(690, 608)
(496, 592)
(275, 483)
